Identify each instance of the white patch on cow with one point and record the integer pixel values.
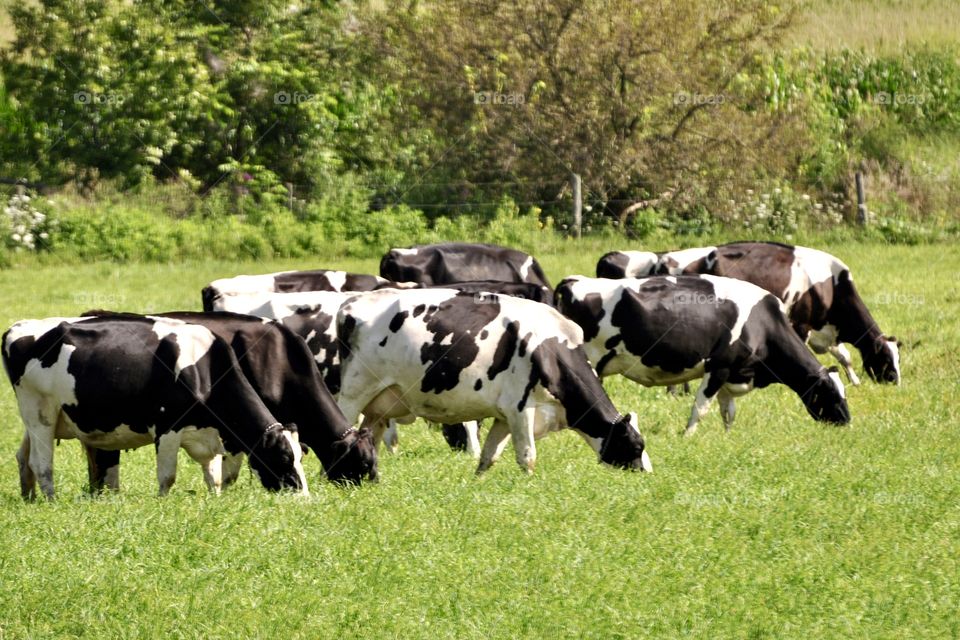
(246, 284)
(405, 252)
(810, 267)
(277, 306)
(525, 267)
(193, 341)
(743, 294)
(838, 383)
(337, 279)
(294, 441)
(640, 264)
(683, 258)
(895, 356)
(34, 328)
(645, 463)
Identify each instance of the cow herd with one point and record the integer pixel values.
(330, 362)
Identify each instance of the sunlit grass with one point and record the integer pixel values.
(780, 528)
(879, 26)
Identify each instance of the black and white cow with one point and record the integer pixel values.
(310, 315)
(816, 288)
(666, 330)
(281, 369)
(288, 282)
(125, 382)
(445, 356)
(451, 262)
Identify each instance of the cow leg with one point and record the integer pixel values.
(523, 429)
(840, 352)
(103, 469)
(494, 445)
(168, 445)
(473, 437)
(207, 450)
(728, 408)
(230, 468)
(40, 422)
(391, 436)
(28, 481)
(701, 404)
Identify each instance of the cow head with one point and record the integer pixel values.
(276, 459)
(624, 446)
(352, 458)
(882, 362)
(826, 398)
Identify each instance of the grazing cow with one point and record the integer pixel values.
(460, 262)
(816, 288)
(440, 355)
(124, 382)
(668, 330)
(288, 282)
(281, 369)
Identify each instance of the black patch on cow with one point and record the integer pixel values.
(484, 334)
(613, 265)
(673, 325)
(319, 280)
(454, 262)
(383, 342)
(397, 321)
(314, 326)
(417, 310)
(587, 312)
(456, 321)
(478, 385)
(522, 349)
(504, 351)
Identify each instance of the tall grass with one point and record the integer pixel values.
(878, 26)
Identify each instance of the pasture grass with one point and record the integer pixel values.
(781, 528)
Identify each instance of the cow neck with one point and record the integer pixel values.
(789, 361)
(851, 317)
(239, 413)
(577, 388)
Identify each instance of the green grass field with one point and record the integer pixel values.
(781, 528)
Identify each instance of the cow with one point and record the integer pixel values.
(121, 383)
(288, 282)
(451, 262)
(444, 356)
(666, 330)
(281, 369)
(817, 289)
(310, 315)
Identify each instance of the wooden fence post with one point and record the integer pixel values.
(577, 205)
(861, 200)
